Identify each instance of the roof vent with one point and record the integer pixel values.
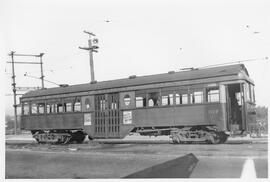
(63, 85)
(132, 76)
(188, 69)
(171, 72)
(93, 82)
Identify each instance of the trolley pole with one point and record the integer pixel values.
(91, 48)
(14, 92)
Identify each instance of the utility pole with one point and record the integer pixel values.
(41, 70)
(14, 88)
(91, 49)
(14, 92)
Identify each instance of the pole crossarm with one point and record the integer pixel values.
(27, 55)
(85, 48)
(26, 88)
(93, 48)
(24, 62)
(89, 33)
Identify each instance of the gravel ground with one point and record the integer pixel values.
(118, 158)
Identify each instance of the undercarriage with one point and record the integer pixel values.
(59, 136)
(189, 134)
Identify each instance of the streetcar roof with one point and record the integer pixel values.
(144, 80)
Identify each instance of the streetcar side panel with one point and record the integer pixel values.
(55, 121)
(189, 105)
(190, 115)
(154, 117)
(45, 114)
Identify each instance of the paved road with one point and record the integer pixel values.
(28, 164)
(92, 160)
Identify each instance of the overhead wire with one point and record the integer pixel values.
(232, 62)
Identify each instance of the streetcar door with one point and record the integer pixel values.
(107, 119)
(113, 116)
(236, 107)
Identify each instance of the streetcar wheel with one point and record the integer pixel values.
(90, 138)
(80, 139)
(223, 138)
(77, 137)
(37, 140)
(214, 138)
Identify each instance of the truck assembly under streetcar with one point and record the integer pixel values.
(195, 106)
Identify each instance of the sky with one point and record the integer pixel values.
(135, 38)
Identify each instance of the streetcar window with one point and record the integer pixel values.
(177, 99)
(166, 98)
(150, 102)
(34, 108)
(238, 96)
(247, 90)
(68, 107)
(102, 104)
(140, 100)
(77, 106)
(87, 103)
(53, 108)
(196, 97)
(49, 108)
(181, 99)
(184, 98)
(252, 93)
(25, 109)
(127, 100)
(212, 94)
(113, 105)
(41, 108)
(153, 99)
(60, 108)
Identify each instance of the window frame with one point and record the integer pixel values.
(207, 90)
(77, 101)
(68, 105)
(36, 112)
(252, 92)
(38, 108)
(181, 93)
(140, 94)
(49, 110)
(157, 102)
(170, 101)
(127, 100)
(192, 96)
(23, 108)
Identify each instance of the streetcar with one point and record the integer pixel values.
(195, 106)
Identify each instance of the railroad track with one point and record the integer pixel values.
(33, 142)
